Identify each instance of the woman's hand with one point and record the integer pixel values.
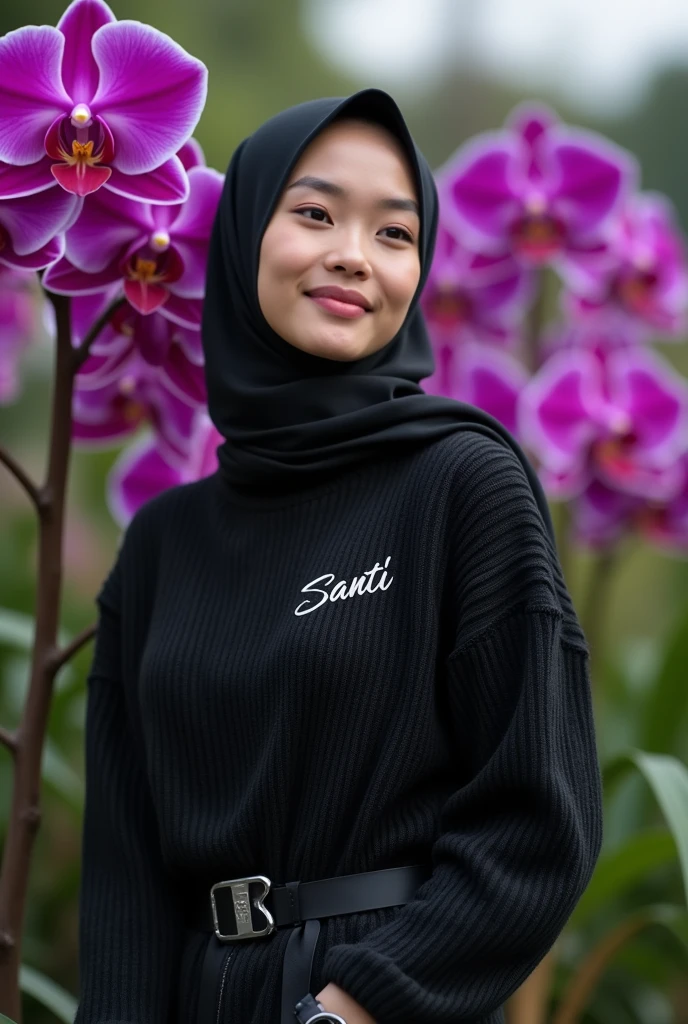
(336, 1000)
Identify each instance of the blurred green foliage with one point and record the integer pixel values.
(261, 61)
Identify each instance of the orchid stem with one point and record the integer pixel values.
(593, 619)
(81, 351)
(61, 657)
(23, 478)
(8, 739)
(534, 324)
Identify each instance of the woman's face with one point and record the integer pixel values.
(339, 260)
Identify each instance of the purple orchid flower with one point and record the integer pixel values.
(621, 415)
(111, 402)
(481, 296)
(602, 515)
(175, 352)
(142, 471)
(156, 338)
(18, 326)
(540, 189)
(481, 375)
(648, 282)
(76, 109)
(158, 253)
(31, 228)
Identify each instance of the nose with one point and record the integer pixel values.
(348, 255)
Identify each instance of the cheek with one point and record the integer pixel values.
(400, 282)
(285, 253)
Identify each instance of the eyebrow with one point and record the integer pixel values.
(331, 189)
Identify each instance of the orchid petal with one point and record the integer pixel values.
(144, 296)
(183, 311)
(557, 408)
(86, 309)
(656, 398)
(191, 229)
(80, 179)
(104, 368)
(185, 379)
(64, 278)
(78, 24)
(150, 116)
(31, 91)
(108, 224)
(24, 181)
(476, 197)
(139, 474)
(491, 380)
(191, 344)
(592, 180)
(602, 514)
(32, 221)
(165, 185)
(191, 154)
(37, 259)
(153, 337)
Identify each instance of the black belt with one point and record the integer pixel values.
(249, 908)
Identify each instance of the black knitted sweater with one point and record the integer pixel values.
(379, 670)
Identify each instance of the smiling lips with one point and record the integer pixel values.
(340, 301)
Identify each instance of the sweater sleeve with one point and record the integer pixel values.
(519, 839)
(129, 930)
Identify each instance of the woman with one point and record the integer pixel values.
(349, 651)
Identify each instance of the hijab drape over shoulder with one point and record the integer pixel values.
(290, 418)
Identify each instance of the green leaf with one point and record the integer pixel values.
(61, 776)
(668, 780)
(16, 630)
(48, 993)
(590, 971)
(666, 704)
(619, 869)
(6, 1020)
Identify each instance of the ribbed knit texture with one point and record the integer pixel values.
(445, 718)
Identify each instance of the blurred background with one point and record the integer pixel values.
(456, 67)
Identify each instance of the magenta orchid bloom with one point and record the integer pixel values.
(97, 102)
(481, 375)
(157, 253)
(18, 327)
(539, 189)
(601, 516)
(112, 401)
(473, 294)
(621, 415)
(175, 352)
(31, 228)
(648, 282)
(141, 472)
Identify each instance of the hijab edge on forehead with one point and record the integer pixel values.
(291, 419)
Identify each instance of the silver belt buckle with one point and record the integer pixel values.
(242, 908)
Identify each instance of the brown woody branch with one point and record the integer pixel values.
(23, 478)
(61, 657)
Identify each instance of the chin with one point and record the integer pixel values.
(336, 346)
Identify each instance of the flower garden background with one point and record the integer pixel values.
(558, 301)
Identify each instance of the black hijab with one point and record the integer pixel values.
(290, 418)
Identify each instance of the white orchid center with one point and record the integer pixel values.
(81, 116)
(160, 240)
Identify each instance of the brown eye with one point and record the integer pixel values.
(306, 210)
(401, 236)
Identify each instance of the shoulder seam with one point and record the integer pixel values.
(523, 607)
